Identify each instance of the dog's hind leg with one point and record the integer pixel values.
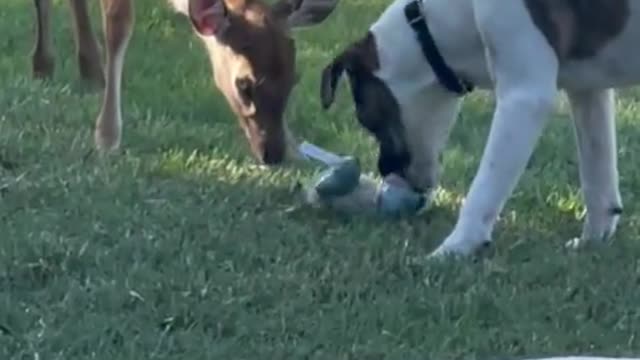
(594, 123)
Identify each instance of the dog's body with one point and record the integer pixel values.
(524, 50)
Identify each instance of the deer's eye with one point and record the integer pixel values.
(245, 89)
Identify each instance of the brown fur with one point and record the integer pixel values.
(253, 59)
(264, 58)
(117, 21)
(578, 29)
(256, 42)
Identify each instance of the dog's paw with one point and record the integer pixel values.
(455, 248)
(598, 230)
(444, 255)
(579, 243)
(575, 243)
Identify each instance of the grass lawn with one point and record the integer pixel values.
(180, 248)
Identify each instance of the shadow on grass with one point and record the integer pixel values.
(198, 254)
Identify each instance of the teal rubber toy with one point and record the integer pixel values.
(398, 199)
(339, 179)
(341, 186)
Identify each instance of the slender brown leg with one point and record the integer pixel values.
(118, 21)
(87, 51)
(42, 62)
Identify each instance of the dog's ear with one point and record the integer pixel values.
(359, 59)
(330, 76)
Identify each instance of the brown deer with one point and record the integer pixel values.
(249, 44)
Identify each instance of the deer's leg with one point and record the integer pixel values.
(42, 62)
(118, 21)
(87, 51)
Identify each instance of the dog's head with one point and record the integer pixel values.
(409, 119)
(254, 55)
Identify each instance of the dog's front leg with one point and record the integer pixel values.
(524, 68)
(594, 122)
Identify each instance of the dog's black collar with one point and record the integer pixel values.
(415, 17)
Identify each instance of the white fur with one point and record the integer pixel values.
(593, 113)
(508, 55)
(180, 6)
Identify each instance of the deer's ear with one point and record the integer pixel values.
(208, 17)
(300, 13)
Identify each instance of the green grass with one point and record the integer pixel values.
(180, 248)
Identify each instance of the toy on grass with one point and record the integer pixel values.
(342, 186)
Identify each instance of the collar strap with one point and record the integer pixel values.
(415, 17)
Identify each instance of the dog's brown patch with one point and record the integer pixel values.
(578, 29)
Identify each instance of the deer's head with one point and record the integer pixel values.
(254, 61)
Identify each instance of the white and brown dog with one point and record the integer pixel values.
(410, 70)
